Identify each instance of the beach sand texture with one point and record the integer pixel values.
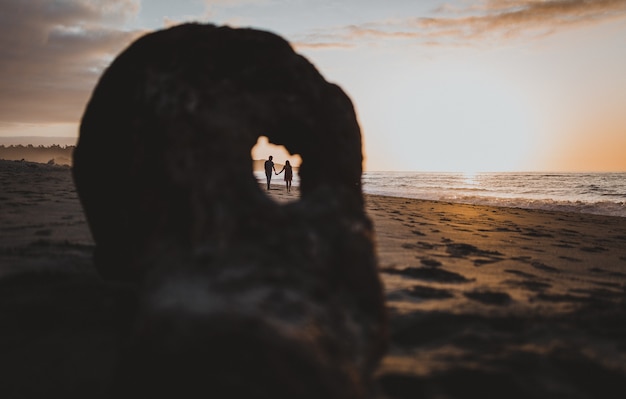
(483, 301)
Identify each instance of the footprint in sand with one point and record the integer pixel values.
(542, 266)
(609, 284)
(419, 245)
(530, 285)
(430, 274)
(560, 298)
(601, 293)
(424, 292)
(593, 249)
(489, 297)
(426, 245)
(597, 270)
(461, 250)
(563, 245)
(536, 233)
(482, 262)
(430, 262)
(520, 273)
(570, 259)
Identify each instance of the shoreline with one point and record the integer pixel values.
(554, 212)
(596, 193)
(576, 207)
(569, 207)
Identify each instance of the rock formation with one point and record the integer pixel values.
(238, 295)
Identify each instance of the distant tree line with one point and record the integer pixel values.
(62, 155)
(54, 154)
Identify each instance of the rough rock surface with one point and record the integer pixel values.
(238, 295)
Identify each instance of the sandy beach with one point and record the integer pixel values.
(484, 302)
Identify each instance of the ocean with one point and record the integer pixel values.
(596, 193)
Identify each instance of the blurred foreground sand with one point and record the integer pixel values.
(484, 301)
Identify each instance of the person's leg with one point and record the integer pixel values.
(269, 178)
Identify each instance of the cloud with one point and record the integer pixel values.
(321, 45)
(484, 20)
(350, 36)
(514, 18)
(52, 53)
(371, 31)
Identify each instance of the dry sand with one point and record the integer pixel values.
(501, 302)
(484, 302)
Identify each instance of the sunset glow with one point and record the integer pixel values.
(480, 85)
(263, 149)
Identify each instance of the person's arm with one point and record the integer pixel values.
(281, 171)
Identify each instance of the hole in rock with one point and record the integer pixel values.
(278, 191)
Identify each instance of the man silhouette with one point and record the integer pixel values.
(269, 166)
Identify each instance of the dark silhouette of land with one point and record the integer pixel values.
(55, 153)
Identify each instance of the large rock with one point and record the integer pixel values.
(239, 295)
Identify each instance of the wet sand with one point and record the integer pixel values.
(483, 301)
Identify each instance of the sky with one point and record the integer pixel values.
(458, 85)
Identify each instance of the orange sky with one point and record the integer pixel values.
(472, 85)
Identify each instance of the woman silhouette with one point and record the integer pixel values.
(288, 175)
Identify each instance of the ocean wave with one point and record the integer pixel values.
(597, 193)
(607, 208)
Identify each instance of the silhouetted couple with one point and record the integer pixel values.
(269, 166)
